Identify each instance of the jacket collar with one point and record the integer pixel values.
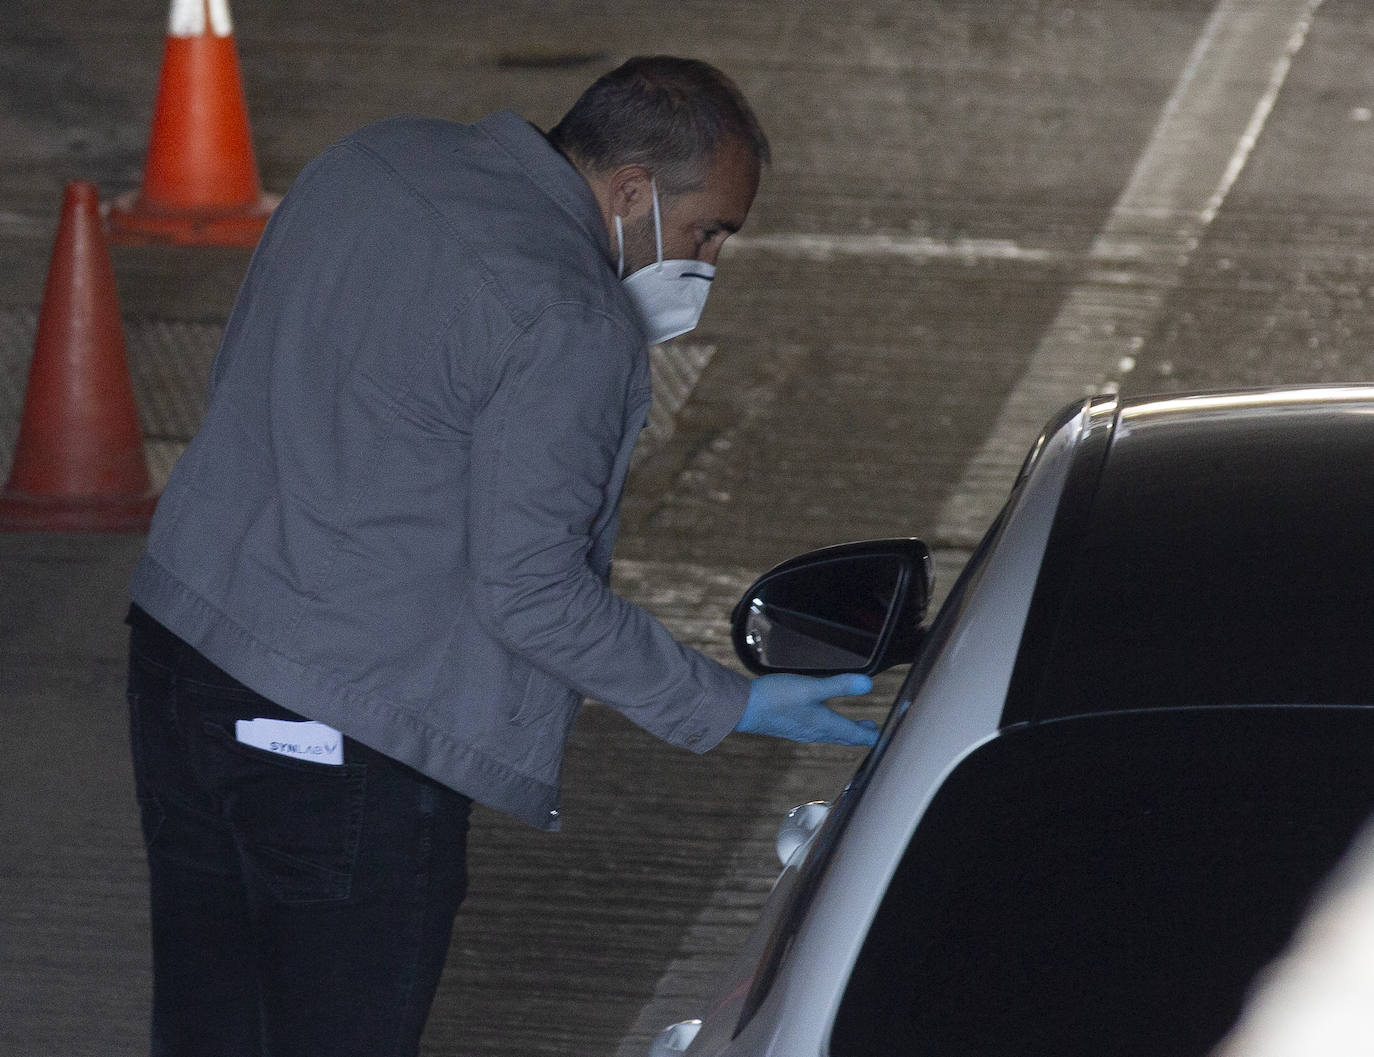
(551, 172)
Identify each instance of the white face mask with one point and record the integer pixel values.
(669, 294)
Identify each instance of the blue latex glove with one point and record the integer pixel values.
(793, 707)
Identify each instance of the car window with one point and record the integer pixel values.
(1107, 886)
(1232, 561)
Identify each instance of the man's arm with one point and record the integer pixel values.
(543, 459)
(543, 456)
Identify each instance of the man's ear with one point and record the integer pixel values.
(631, 194)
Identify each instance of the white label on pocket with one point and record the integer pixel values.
(305, 741)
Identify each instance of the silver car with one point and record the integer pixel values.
(1136, 736)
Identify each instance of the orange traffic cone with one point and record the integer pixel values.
(79, 464)
(200, 177)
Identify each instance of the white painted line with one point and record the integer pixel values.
(1197, 151)
(1277, 76)
(825, 247)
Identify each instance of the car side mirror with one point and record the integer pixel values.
(856, 607)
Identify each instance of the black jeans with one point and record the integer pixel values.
(298, 908)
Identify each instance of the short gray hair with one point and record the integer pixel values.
(668, 114)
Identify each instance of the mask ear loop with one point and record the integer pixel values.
(620, 245)
(658, 221)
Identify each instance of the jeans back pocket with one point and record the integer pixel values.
(297, 824)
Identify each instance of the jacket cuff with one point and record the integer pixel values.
(717, 713)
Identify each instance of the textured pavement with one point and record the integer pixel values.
(949, 180)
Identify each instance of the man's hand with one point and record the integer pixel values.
(793, 707)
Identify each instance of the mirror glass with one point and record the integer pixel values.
(824, 617)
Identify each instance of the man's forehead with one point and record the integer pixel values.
(731, 183)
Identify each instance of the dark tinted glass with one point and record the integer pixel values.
(1225, 560)
(1107, 887)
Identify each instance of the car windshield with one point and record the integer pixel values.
(1223, 562)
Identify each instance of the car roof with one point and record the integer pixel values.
(1209, 550)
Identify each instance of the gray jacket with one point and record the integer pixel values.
(398, 515)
